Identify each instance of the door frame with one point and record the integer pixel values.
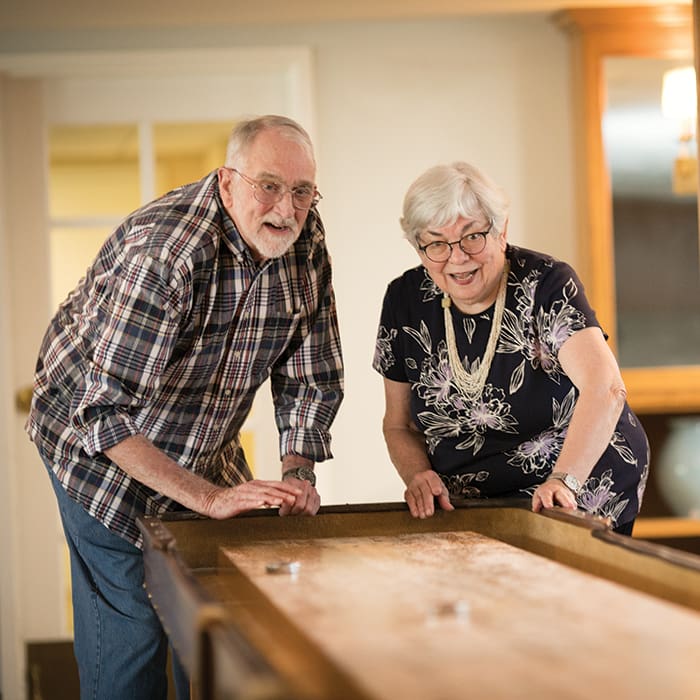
(37, 89)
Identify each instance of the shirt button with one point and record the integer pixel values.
(237, 354)
(227, 392)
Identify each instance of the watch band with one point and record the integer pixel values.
(569, 480)
(301, 473)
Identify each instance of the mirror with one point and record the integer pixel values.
(654, 217)
(610, 46)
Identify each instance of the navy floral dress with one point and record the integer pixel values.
(506, 442)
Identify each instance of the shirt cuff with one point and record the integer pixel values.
(311, 443)
(106, 432)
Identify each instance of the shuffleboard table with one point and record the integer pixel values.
(364, 602)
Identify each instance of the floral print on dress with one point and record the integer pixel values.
(383, 356)
(506, 441)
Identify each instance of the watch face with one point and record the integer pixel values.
(303, 473)
(569, 480)
(572, 482)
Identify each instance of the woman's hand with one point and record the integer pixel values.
(553, 493)
(423, 489)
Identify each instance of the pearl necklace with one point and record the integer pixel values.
(471, 384)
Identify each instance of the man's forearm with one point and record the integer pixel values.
(143, 461)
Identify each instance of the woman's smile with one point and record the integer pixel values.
(463, 278)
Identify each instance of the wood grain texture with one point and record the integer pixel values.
(458, 614)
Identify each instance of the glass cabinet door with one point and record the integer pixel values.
(654, 215)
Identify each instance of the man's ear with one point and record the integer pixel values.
(225, 177)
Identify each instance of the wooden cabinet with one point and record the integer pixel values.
(662, 387)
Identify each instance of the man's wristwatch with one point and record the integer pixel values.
(302, 473)
(569, 480)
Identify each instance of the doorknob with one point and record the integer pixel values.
(23, 399)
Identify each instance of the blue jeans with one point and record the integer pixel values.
(119, 643)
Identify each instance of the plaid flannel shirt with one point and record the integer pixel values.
(170, 334)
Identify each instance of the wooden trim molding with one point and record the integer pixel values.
(664, 31)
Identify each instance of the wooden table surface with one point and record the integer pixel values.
(450, 615)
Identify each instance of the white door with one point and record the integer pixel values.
(40, 95)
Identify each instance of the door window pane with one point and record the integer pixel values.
(185, 152)
(94, 171)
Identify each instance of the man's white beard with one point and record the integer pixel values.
(275, 245)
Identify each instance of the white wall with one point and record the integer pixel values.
(8, 505)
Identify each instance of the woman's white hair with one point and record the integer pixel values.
(444, 193)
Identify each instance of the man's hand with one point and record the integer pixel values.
(306, 503)
(222, 503)
(423, 489)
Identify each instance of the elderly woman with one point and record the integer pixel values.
(498, 380)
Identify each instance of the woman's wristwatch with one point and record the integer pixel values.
(569, 480)
(301, 473)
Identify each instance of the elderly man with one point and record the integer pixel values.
(150, 366)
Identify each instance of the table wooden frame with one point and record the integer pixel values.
(214, 641)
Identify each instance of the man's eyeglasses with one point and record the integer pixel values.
(470, 243)
(270, 192)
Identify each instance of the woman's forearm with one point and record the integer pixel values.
(592, 424)
(407, 452)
